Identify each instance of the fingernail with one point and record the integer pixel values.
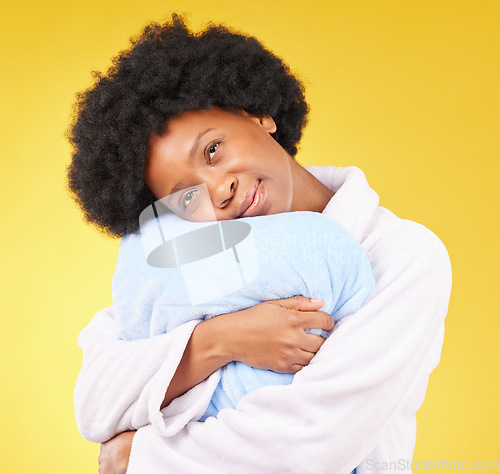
(315, 301)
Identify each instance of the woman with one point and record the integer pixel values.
(177, 110)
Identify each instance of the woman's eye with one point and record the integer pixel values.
(212, 150)
(187, 198)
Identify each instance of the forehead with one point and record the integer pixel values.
(193, 118)
(190, 124)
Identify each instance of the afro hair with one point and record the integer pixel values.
(168, 70)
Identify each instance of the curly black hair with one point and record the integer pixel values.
(166, 71)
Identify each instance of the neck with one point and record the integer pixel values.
(309, 194)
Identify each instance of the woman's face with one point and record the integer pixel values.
(214, 164)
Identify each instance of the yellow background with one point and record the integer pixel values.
(406, 90)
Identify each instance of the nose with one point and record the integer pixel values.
(222, 190)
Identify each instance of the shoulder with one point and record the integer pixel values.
(398, 246)
(391, 233)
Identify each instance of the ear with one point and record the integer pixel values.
(266, 121)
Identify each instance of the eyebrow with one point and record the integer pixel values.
(192, 153)
(196, 142)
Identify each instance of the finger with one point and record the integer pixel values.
(311, 342)
(297, 367)
(317, 320)
(300, 303)
(304, 358)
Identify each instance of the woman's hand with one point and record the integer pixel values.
(272, 335)
(115, 454)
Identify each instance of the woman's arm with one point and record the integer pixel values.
(340, 407)
(123, 383)
(270, 335)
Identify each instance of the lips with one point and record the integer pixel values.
(254, 200)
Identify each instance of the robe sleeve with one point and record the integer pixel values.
(121, 384)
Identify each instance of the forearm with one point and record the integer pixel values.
(118, 378)
(270, 335)
(205, 352)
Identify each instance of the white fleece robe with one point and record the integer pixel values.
(353, 405)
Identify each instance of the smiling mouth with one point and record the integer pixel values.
(252, 205)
